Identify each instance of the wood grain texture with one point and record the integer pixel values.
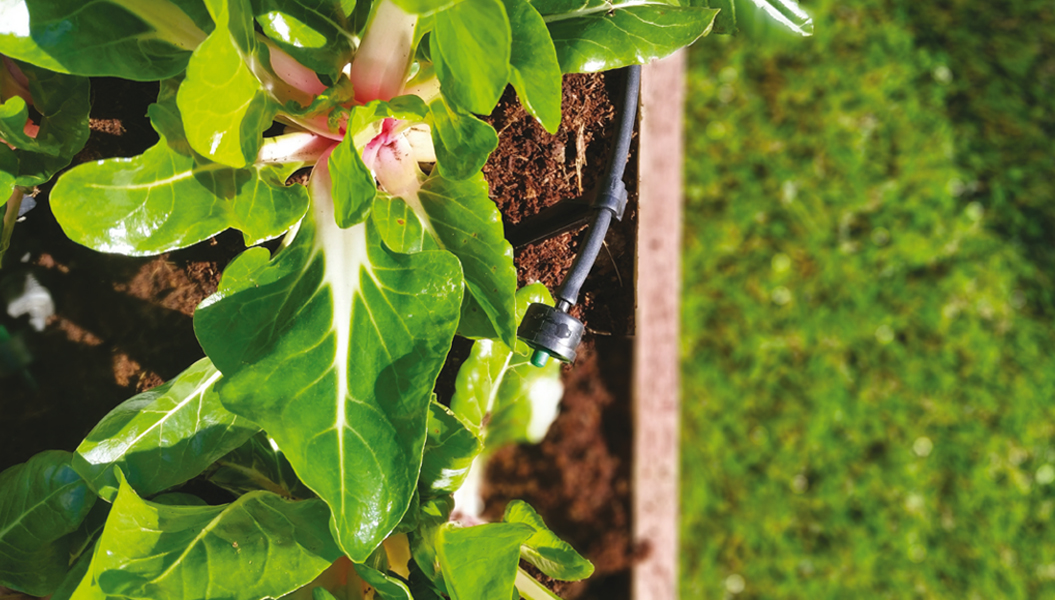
(656, 368)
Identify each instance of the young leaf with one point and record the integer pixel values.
(520, 399)
(333, 347)
(312, 31)
(550, 554)
(170, 197)
(258, 546)
(63, 104)
(42, 501)
(180, 425)
(534, 70)
(449, 452)
(352, 184)
(462, 142)
(470, 46)
(399, 228)
(462, 218)
(142, 41)
(258, 464)
(762, 18)
(481, 561)
(603, 35)
(225, 107)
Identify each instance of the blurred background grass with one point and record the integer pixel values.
(868, 337)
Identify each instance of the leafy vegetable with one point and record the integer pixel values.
(282, 334)
(314, 407)
(180, 425)
(150, 550)
(171, 197)
(42, 502)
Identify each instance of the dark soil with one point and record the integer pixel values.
(123, 325)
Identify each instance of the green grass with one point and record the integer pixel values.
(869, 356)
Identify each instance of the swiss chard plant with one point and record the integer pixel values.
(314, 407)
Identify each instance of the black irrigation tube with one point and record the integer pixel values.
(550, 330)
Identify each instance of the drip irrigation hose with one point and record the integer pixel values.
(550, 330)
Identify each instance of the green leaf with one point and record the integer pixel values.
(258, 464)
(150, 550)
(425, 7)
(759, 19)
(470, 46)
(462, 218)
(352, 183)
(74, 577)
(225, 107)
(462, 142)
(550, 554)
(602, 35)
(314, 32)
(63, 104)
(534, 70)
(42, 501)
(449, 452)
(333, 347)
(399, 228)
(170, 197)
(433, 514)
(162, 437)
(520, 399)
(480, 562)
(474, 322)
(385, 587)
(143, 41)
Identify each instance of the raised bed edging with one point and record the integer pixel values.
(656, 401)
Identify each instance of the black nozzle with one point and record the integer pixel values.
(550, 331)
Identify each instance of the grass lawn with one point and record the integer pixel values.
(868, 339)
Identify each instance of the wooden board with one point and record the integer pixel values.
(656, 366)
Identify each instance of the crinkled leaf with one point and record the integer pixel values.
(312, 31)
(534, 70)
(143, 41)
(463, 219)
(170, 197)
(63, 102)
(598, 35)
(42, 501)
(449, 452)
(481, 561)
(365, 121)
(520, 399)
(550, 554)
(225, 107)
(162, 437)
(150, 550)
(352, 184)
(333, 347)
(258, 464)
(470, 46)
(462, 142)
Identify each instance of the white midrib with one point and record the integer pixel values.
(159, 182)
(197, 393)
(345, 257)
